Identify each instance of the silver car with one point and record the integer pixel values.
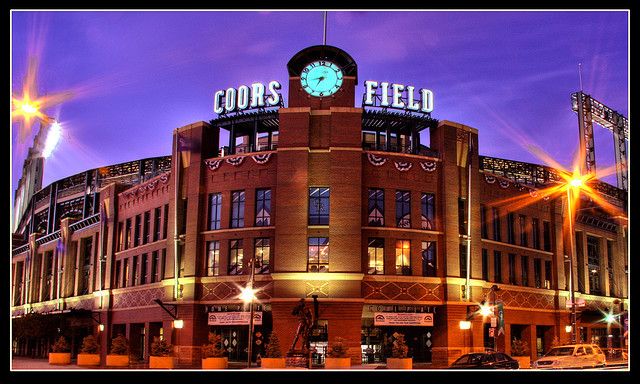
(572, 356)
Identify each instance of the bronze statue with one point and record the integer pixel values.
(305, 323)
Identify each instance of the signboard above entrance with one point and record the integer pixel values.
(233, 318)
(404, 319)
(401, 97)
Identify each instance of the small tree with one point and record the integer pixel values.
(90, 345)
(120, 345)
(273, 348)
(160, 347)
(519, 347)
(214, 348)
(400, 348)
(61, 346)
(338, 349)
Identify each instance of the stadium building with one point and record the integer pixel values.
(337, 204)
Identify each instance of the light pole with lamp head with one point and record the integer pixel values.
(248, 295)
(574, 183)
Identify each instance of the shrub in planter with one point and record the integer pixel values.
(60, 354)
(161, 354)
(90, 352)
(213, 353)
(273, 354)
(520, 352)
(399, 351)
(119, 354)
(337, 356)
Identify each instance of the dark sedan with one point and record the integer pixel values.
(485, 360)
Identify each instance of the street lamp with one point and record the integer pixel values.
(573, 183)
(248, 295)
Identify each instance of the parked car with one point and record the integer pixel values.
(572, 356)
(485, 360)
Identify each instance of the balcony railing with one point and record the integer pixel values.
(421, 150)
(247, 148)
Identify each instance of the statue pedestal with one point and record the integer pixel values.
(297, 359)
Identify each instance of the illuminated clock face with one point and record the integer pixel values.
(321, 78)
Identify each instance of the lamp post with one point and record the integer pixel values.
(248, 295)
(575, 183)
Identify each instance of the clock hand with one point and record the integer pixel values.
(319, 80)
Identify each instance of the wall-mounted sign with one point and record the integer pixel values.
(397, 96)
(245, 97)
(234, 318)
(403, 319)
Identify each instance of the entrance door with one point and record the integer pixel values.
(137, 341)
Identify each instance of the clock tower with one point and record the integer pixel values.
(320, 151)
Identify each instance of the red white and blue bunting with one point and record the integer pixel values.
(261, 159)
(235, 161)
(504, 184)
(376, 160)
(213, 164)
(428, 166)
(489, 179)
(533, 193)
(164, 179)
(403, 166)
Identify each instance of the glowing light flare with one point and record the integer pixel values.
(568, 328)
(178, 324)
(247, 294)
(53, 137)
(465, 324)
(486, 310)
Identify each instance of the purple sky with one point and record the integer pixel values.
(143, 74)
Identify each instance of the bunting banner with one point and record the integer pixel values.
(235, 161)
(533, 193)
(164, 179)
(261, 159)
(213, 164)
(403, 166)
(376, 160)
(489, 179)
(428, 166)
(504, 184)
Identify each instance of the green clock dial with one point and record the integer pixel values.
(321, 78)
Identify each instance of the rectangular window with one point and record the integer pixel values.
(137, 236)
(535, 233)
(237, 209)
(403, 257)
(496, 224)
(236, 257)
(612, 291)
(156, 224)
(85, 265)
(485, 264)
(154, 267)
(403, 209)
(512, 269)
(48, 276)
(462, 216)
(429, 261)
(462, 257)
(263, 207)
(120, 236)
(318, 256)
(127, 236)
(163, 262)
(262, 250)
(145, 227)
(376, 256)
(428, 211)
(547, 274)
(117, 281)
(126, 281)
(537, 273)
(17, 293)
(483, 222)
(376, 207)
(511, 228)
(593, 259)
(546, 236)
(522, 223)
(318, 206)
(165, 221)
(215, 210)
(213, 258)
(144, 269)
(497, 266)
(524, 270)
(135, 271)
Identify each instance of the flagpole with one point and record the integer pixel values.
(176, 237)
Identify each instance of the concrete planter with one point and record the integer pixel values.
(88, 359)
(60, 358)
(337, 363)
(400, 363)
(161, 362)
(215, 363)
(117, 360)
(524, 361)
(273, 362)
